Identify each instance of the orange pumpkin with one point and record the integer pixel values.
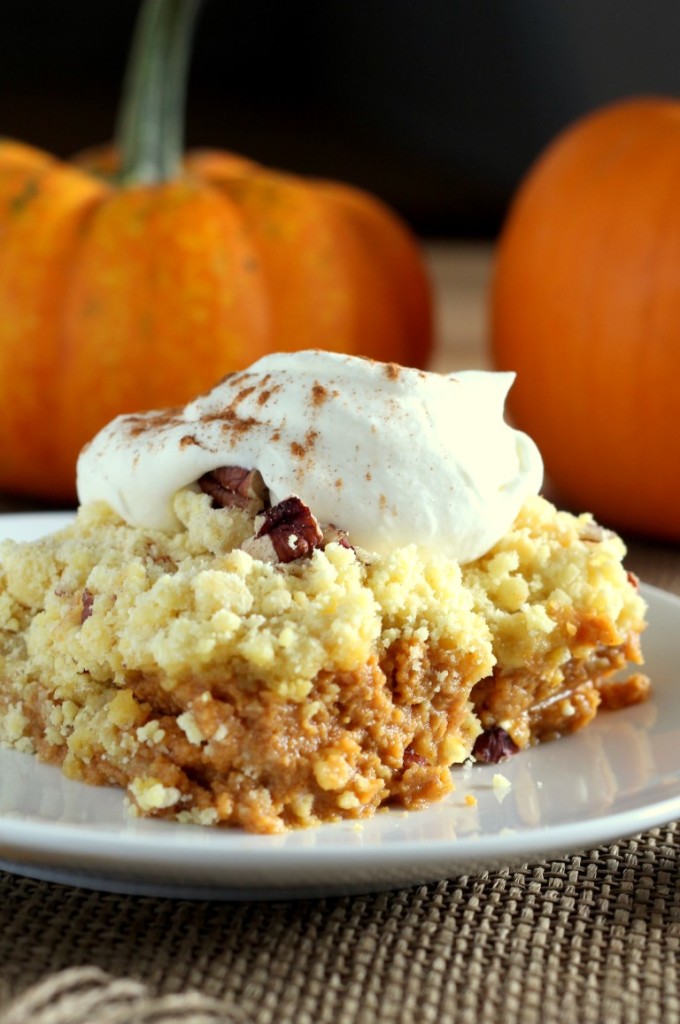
(140, 290)
(585, 306)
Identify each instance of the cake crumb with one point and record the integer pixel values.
(152, 795)
(501, 787)
(189, 726)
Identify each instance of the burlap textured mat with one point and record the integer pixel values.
(593, 938)
(80, 995)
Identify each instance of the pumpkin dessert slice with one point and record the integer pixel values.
(258, 617)
(305, 595)
(220, 686)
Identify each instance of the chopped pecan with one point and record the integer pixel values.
(285, 532)
(235, 487)
(411, 758)
(87, 602)
(494, 745)
(261, 548)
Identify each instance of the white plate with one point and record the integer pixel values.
(619, 776)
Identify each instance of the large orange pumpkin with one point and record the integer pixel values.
(140, 290)
(585, 306)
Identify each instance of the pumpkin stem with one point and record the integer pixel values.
(150, 128)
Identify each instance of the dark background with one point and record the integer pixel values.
(438, 106)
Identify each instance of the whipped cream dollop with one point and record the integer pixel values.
(391, 455)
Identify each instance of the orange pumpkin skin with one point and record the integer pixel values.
(585, 306)
(115, 299)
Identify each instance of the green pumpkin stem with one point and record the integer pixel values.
(150, 128)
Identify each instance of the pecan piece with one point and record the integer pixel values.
(285, 532)
(87, 602)
(235, 487)
(494, 745)
(411, 758)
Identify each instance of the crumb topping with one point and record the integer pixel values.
(220, 684)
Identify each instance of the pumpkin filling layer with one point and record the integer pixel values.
(219, 685)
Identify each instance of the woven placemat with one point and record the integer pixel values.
(593, 938)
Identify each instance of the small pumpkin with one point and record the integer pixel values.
(139, 288)
(585, 306)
